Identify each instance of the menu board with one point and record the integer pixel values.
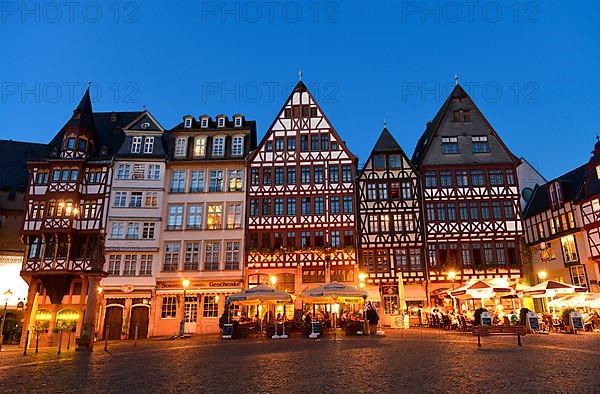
(533, 322)
(486, 319)
(576, 320)
(227, 331)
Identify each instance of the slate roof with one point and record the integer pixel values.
(14, 156)
(386, 142)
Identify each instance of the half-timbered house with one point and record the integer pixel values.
(64, 225)
(470, 196)
(301, 201)
(390, 226)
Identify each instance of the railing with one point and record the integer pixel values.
(59, 264)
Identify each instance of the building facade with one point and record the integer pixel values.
(202, 239)
(390, 227)
(64, 225)
(470, 195)
(133, 231)
(301, 222)
(561, 228)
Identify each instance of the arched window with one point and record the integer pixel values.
(67, 319)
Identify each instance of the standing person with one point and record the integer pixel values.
(372, 319)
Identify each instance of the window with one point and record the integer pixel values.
(234, 216)
(449, 145)
(151, 200)
(291, 207)
(210, 308)
(133, 230)
(237, 146)
(318, 174)
(153, 172)
(430, 179)
(232, 255)
(474, 211)
(136, 144)
(171, 262)
(467, 259)
(441, 212)
(334, 203)
(254, 207)
(312, 275)
(175, 217)
(569, 249)
(145, 265)
(148, 230)
(218, 146)
(114, 265)
(215, 214)
(510, 177)
(181, 147)
(480, 144)
(178, 181)
(278, 207)
(254, 177)
(200, 147)
(463, 211)
(556, 195)
(120, 199)
(279, 175)
(169, 307)
(235, 180)
(451, 212)
(319, 238)
(37, 210)
(397, 223)
(130, 265)
(221, 122)
(578, 276)
(334, 174)
(291, 175)
(42, 178)
(290, 240)
(571, 220)
(123, 171)
(324, 142)
(136, 200)
(346, 173)
(488, 252)
(477, 178)
(379, 162)
(406, 191)
(291, 144)
(495, 177)
(445, 178)
(305, 239)
(71, 143)
(304, 143)
(139, 171)
(194, 219)
(117, 230)
(192, 256)
(267, 176)
(187, 123)
(462, 178)
(314, 143)
(266, 207)
(373, 221)
(496, 210)
(238, 121)
(348, 238)
(485, 211)
(456, 116)
(148, 145)
(212, 251)
(319, 205)
(279, 143)
(305, 175)
(371, 191)
(216, 181)
(500, 255)
(541, 230)
(395, 161)
(382, 191)
(305, 202)
(335, 239)
(82, 145)
(385, 223)
(348, 204)
(197, 181)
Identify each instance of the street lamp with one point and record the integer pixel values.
(7, 295)
(273, 280)
(185, 283)
(452, 276)
(542, 275)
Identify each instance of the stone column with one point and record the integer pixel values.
(86, 340)
(31, 311)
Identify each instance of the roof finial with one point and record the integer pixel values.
(300, 73)
(89, 84)
(597, 138)
(144, 107)
(384, 123)
(455, 79)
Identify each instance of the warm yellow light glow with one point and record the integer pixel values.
(362, 276)
(75, 211)
(100, 289)
(273, 280)
(217, 298)
(542, 275)
(451, 275)
(361, 285)
(185, 283)
(43, 315)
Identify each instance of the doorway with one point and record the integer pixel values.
(191, 314)
(113, 322)
(140, 316)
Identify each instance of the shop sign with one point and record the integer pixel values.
(576, 321)
(486, 319)
(532, 321)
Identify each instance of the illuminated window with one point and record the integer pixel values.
(578, 276)
(235, 180)
(215, 215)
(569, 249)
(200, 147)
(234, 216)
(210, 307)
(169, 307)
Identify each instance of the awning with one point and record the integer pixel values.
(414, 292)
(220, 290)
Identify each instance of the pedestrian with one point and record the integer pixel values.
(372, 319)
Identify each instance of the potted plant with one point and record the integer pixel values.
(564, 316)
(523, 316)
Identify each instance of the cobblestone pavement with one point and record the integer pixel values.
(424, 360)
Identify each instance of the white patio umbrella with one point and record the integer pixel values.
(552, 288)
(482, 289)
(261, 294)
(334, 292)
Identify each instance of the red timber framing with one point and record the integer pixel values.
(470, 196)
(301, 200)
(390, 223)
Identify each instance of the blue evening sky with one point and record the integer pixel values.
(531, 67)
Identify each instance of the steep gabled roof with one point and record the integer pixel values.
(14, 156)
(83, 115)
(443, 125)
(386, 142)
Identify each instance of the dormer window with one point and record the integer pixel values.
(480, 144)
(449, 145)
(136, 144)
(221, 122)
(187, 123)
(71, 143)
(238, 121)
(148, 145)
(556, 198)
(598, 171)
(204, 123)
(82, 145)
(181, 147)
(237, 145)
(218, 146)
